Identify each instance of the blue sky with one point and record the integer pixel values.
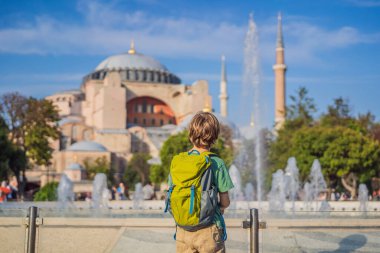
(331, 47)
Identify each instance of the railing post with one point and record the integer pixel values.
(254, 230)
(32, 227)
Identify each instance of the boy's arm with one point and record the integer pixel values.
(224, 201)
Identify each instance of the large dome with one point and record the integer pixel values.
(134, 67)
(130, 61)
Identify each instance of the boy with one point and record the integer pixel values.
(203, 133)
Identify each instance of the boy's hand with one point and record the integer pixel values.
(224, 201)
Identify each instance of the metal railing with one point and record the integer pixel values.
(32, 223)
(127, 231)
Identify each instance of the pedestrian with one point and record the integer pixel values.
(121, 191)
(4, 191)
(198, 178)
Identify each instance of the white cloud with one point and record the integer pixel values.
(365, 3)
(209, 77)
(108, 30)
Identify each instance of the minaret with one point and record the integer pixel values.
(223, 90)
(279, 78)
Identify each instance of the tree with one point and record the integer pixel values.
(353, 157)
(13, 109)
(40, 128)
(139, 164)
(300, 112)
(338, 114)
(32, 124)
(47, 193)
(5, 150)
(100, 165)
(345, 154)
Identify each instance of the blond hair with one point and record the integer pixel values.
(204, 130)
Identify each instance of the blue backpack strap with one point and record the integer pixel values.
(169, 193)
(175, 233)
(224, 229)
(193, 151)
(192, 193)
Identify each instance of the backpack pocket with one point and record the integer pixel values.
(209, 204)
(180, 202)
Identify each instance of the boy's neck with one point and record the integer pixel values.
(200, 150)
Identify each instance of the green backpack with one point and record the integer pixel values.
(192, 197)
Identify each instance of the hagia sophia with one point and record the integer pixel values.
(132, 103)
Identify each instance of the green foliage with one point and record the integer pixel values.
(344, 145)
(300, 112)
(12, 158)
(131, 177)
(157, 174)
(5, 150)
(223, 152)
(100, 165)
(40, 129)
(138, 169)
(47, 193)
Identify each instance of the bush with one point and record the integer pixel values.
(47, 193)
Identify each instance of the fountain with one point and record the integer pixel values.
(292, 181)
(315, 187)
(235, 193)
(252, 85)
(363, 198)
(277, 195)
(248, 192)
(100, 193)
(138, 197)
(65, 192)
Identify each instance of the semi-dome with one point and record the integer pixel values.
(87, 146)
(134, 67)
(74, 166)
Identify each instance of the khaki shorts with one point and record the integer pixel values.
(205, 240)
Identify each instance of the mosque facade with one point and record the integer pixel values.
(130, 103)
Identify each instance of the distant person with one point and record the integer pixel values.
(113, 192)
(121, 191)
(13, 185)
(4, 191)
(148, 191)
(199, 175)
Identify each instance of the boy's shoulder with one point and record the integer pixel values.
(217, 160)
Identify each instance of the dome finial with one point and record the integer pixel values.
(132, 49)
(207, 107)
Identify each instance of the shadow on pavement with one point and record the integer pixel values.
(349, 244)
